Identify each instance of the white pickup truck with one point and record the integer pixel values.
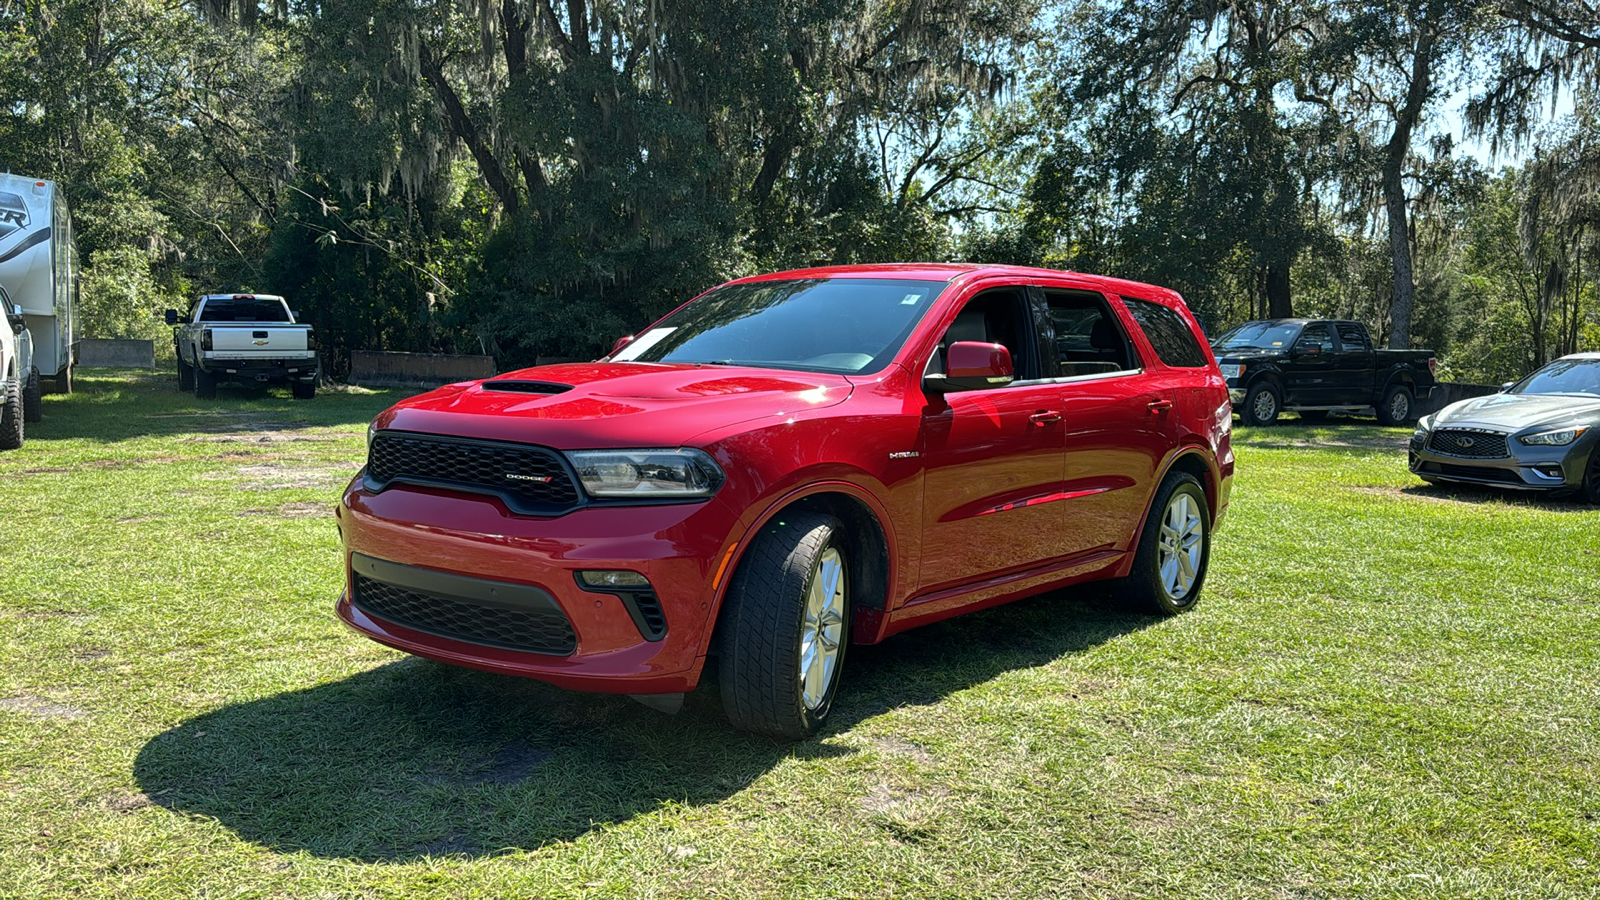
(249, 338)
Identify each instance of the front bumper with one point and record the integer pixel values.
(472, 559)
(1529, 468)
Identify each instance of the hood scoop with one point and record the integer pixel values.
(524, 386)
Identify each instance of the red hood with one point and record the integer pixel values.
(607, 405)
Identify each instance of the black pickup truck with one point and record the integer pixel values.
(1318, 366)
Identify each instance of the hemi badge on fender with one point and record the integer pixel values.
(542, 479)
(904, 454)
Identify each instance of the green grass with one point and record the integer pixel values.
(1390, 690)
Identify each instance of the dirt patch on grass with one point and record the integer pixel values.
(291, 511)
(1351, 442)
(1394, 493)
(127, 802)
(277, 476)
(40, 708)
(890, 745)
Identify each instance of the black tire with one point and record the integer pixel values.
(303, 390)
(763, 627)
(64, 380)
(205, 385)
(1262, 403)
(11, 431)
(1396, 406)
(1314, 415)
(33, 397)
(1590, 491)
(1148, 588)
(185, 375)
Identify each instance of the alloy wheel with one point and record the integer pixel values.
(822, 629)
(1181, 546)
(1266, 406)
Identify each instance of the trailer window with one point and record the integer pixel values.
(244, 310)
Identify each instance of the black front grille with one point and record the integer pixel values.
(532, 630)
(1481, 473)
(652, 622)
(1468, 444)
(532, 480)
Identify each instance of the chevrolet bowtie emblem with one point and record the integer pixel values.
(541, 479)
(259, 343)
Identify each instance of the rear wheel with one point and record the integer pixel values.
(303, 390)
(1261, 404)
(1169, 566)
(1396, 406)
(784, 627)
(64, 380)
(205, 384)
(10, 415)
(33, 397)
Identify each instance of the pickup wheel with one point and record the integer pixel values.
(33, 397)
(303, 390)
(1396, 406)
(11, 417)
(63, 380)
(785, 626)
(1261, 404)
(205, 384)
(185, 375)
(1169, 566)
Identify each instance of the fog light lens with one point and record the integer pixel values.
(1550, 471)
(612, 578)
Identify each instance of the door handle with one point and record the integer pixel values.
(1045, 417)
(1160, 406)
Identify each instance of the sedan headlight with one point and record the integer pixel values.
(684, 473)
(1559, 438)
(1424, 425)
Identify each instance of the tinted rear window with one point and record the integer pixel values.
(1169, 334)
(237, 310)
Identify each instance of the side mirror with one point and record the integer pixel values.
(972, 366)
(1308, 350)
(1507, 386)
(172, 317)
(17, 322)
(623, 341)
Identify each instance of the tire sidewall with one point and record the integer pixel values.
(1385, 416)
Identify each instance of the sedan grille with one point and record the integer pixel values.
(531, 480)
(533, 630)
(1468, 444)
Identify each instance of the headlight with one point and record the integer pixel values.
(1559, 438)
(1424, 425)
(372, 429)
(1232, 370)
(680, 474)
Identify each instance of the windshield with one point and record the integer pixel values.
(1259, 336)
(1564, 376)
(244, 309)
(846, 325)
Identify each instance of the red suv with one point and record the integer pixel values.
(788, 464)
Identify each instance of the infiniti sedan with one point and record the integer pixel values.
(1540, 433)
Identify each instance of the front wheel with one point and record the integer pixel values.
(1591, 478)
(10, 415)
(1261, 404)
(1169, 566)
(1396, 406)
(33, 397)
(784, 627)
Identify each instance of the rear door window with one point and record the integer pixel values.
(1088, 340)
(1353, 337)
(1168, 333)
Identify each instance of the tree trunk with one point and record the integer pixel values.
(1403, 299)
(1279, 305)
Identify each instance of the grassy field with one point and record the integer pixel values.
(1389, 691)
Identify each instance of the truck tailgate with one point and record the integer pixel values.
(247, 341)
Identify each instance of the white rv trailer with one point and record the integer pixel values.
(39, 269)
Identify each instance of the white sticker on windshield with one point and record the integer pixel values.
(911, 299)
(642, 343)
